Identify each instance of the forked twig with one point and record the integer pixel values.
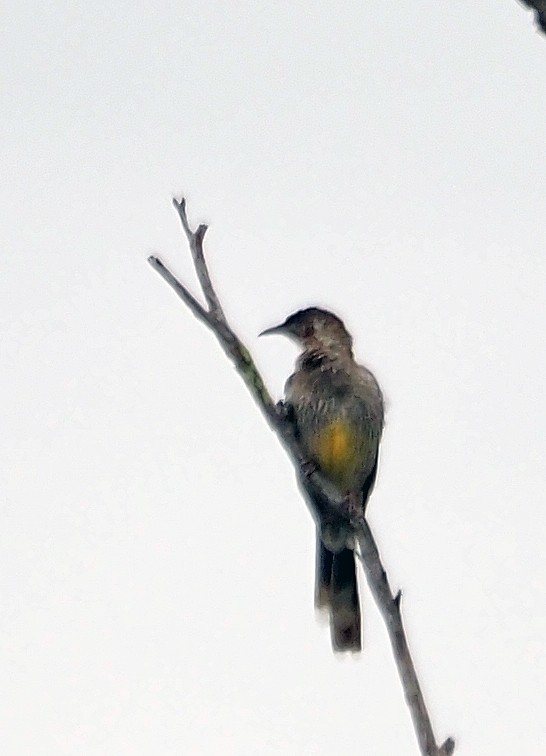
(213, 316)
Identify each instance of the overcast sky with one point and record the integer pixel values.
(156, 559)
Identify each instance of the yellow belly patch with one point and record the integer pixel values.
(337, 452)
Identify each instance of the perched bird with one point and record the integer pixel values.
(336, 406)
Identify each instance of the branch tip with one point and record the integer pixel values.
(397, 599)
(448, 747)
(201, 231)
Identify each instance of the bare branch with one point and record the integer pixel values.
(389, 606)
(197, 309)
(195, 239)
(234, 348)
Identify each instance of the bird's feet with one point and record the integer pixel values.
(308, 467)
(282, 410)
(285, 412)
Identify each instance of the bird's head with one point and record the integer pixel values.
(316, 330)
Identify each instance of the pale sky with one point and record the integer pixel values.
(156, 559)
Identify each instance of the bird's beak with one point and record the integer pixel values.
(275, 329)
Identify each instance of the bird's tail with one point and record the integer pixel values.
(337, 591)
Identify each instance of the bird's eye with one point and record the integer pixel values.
(308, 331)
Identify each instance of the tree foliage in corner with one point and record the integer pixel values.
(539, 6)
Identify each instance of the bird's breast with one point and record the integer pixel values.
(339, 418)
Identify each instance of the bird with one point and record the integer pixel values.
(336, 407)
